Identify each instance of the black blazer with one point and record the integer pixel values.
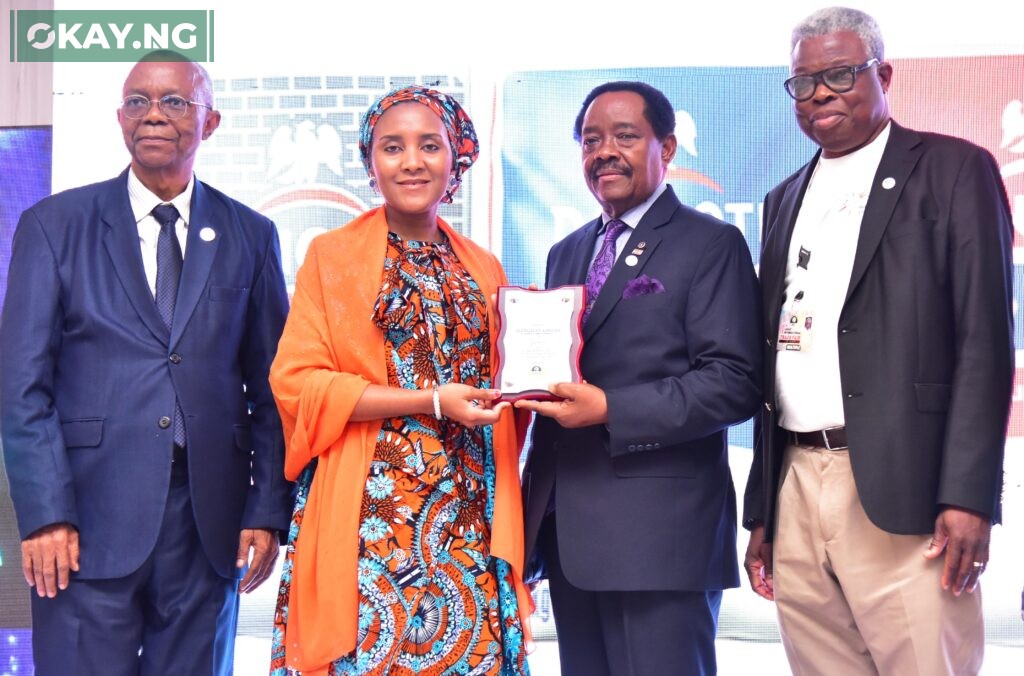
(646, 502)
(925, 335)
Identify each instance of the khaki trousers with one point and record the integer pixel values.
(854, 599)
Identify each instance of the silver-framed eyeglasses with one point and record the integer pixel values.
(172, 106)
(839, 79)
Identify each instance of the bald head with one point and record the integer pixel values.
(202, 84)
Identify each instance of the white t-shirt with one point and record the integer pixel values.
(807, 384)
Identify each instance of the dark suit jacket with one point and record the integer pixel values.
(87, 370)
(646, 502)
(925, 335)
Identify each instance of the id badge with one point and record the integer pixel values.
(795, 331)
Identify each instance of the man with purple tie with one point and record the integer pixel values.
(630, 507)
(140, 437)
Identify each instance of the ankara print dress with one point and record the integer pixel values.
(431, 598)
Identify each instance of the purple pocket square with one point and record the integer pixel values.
(642, 286)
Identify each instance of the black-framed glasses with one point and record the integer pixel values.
(839, 79)
(172, 106)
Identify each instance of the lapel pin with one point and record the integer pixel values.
(889, 183)
(632, 260)
(641, 245)
(637, 252)
(207, 234)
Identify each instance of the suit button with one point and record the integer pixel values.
(768, 406)
(768, 342)
(649, 447)
(164, 422)
(657, 444)
(175, 358)
(631, 447)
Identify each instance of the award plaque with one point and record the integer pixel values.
(540, 340)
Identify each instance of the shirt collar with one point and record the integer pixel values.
(143, 199)
(632, 217)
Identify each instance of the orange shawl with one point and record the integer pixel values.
(329, 352)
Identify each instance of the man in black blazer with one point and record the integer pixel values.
(143, 446)
(886, 287)
(630, 506)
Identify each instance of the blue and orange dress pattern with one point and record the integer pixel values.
(432, 600)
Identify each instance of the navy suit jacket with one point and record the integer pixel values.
(89, 369)
(646, 502)
(925, 335)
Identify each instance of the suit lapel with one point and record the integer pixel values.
(658, 215)
(199, 255)
(578, 265)
(775, 252)
(121, 240)
(898, 161)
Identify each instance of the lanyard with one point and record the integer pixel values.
(800, 277)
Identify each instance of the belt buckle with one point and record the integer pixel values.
(824, 437)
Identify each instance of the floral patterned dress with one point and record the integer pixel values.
(432, 599)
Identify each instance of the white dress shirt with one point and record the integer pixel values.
(142, 202)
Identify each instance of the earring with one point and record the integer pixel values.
(373, 184)
(452, 181)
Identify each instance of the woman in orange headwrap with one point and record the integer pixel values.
(405, 551)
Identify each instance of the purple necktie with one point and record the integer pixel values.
(603, 263)
(168, 274)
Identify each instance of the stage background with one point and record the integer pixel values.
(292, 84)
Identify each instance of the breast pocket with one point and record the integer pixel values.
(228, 294)
(921, 227)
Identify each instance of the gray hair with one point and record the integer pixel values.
(840, 19)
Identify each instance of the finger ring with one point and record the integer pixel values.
(979, 564)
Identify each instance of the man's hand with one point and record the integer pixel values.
(48, 556)
(582, 404)
(964, 534)
(264, 547)
(758, 562)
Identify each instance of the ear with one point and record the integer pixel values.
(668, 149)
(885, 75)
(211, 123)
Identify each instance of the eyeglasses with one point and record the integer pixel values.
(839, 79)
(172, 106)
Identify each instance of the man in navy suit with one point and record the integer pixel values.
(630, 507)
(144, 451)
(886, 281)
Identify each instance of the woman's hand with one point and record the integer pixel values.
(470, 406)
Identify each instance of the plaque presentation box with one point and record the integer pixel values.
(539, 341)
